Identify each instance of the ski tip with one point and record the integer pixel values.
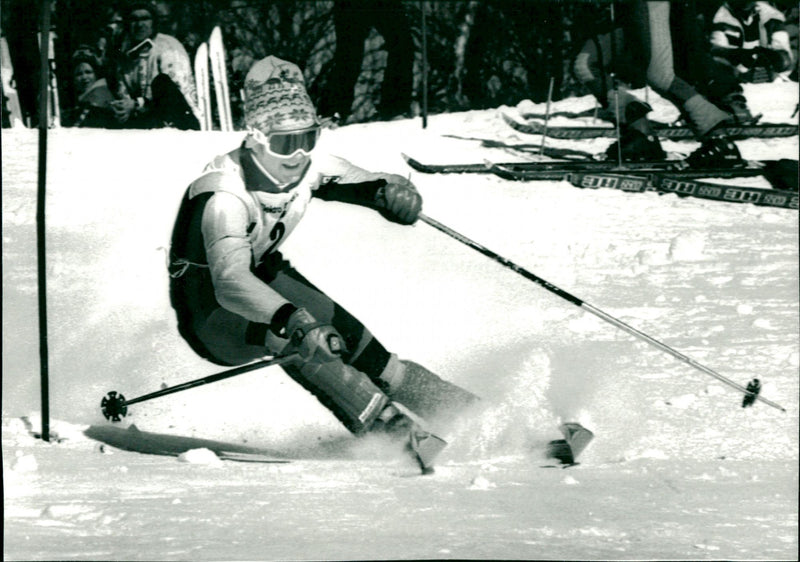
(416, 164)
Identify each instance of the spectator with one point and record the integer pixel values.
(353, 20)
(153, 74)
(93, 98)
(752, 37)
(662, 46)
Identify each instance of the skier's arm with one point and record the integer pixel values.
(394, 196)
(224, 225)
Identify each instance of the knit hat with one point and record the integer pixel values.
(134, 5)
(276, 97)
(84, 53)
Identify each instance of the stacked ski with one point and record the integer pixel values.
(203, 86)
(209, 64)
(216, 53)
(638, 177)
(12, 111)
(664, 131)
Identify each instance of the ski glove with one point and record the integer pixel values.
(311, 339)
(762, 57)
(399, 200)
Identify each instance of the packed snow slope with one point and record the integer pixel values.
(678, 469)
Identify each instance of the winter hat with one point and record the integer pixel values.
(133, 5)
(84, 53)
(276, 97)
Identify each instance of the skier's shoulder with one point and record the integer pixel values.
(723, 15)
(767, 12)
(223, 173)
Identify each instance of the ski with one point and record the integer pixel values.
(135, 440)
(595, 113)
(12, 111)
(551, 151)
(735, 132)
(203, 87)
(567, 450)
(662, 182)
(554, 169)
(604, 115)
(216, 51)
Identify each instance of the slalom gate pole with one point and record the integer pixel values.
(424, 66)
(591, 309)
(44, 122)
(547, 114)
(114, 404)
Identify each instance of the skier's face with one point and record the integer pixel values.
(141, 25)
(84, 77)
(285, 155)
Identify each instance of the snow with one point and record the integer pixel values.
(677, 470)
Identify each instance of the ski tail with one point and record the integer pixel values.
(11, 105)
(216, 51)
(203, 86)
(567, 450)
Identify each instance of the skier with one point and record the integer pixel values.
(665, 65)
(237, 299)
(750, 36)
(153, 74)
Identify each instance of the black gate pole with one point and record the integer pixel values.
(424, 66)
(44, 122)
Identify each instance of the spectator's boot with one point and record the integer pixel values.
(636, 146)
(638, 142)
(736, 104)
(716, 151)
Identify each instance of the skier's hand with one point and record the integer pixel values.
(311, 339)
(399, 200)
(762, 57)
(123, 108)
(771, 59)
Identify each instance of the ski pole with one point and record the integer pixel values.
(547, 115)
(593, 310)
(115, 405)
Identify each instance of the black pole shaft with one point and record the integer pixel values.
(589, 308)
(424, 67)
(44, 81)
(213, 378)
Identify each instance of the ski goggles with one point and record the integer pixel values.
(287, 143)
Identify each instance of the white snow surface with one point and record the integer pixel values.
(677, 470)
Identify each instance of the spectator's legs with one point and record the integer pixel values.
(653, 18)
(398, 76)
(351, 31)
(693, 61)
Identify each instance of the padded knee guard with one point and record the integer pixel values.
(348, 393)
(422, 391)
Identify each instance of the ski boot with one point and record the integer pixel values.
(398, 421)
(736, 104)
(636, 147)
(716, 151)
